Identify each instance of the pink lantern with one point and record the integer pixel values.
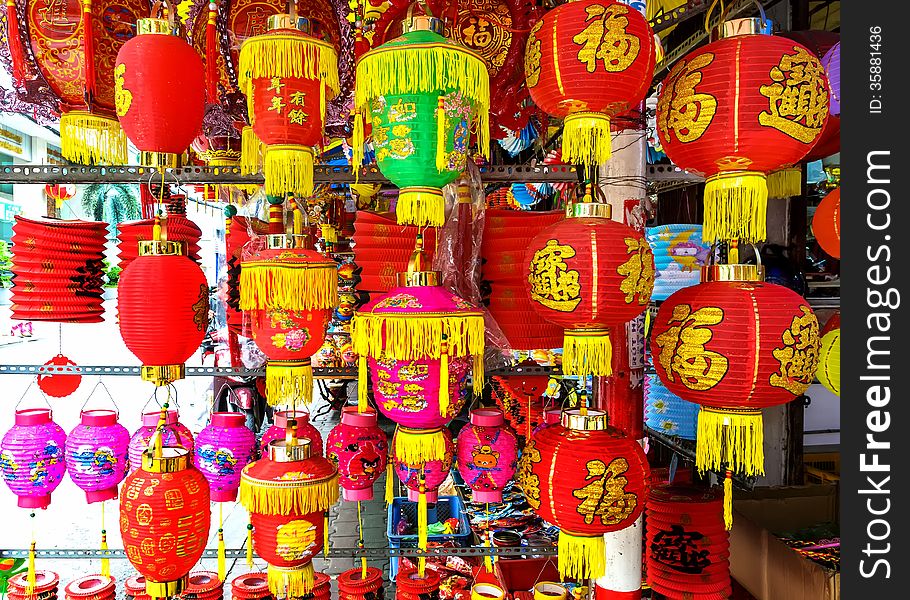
(31, 457)
(223, 448)
(487, 454)
(359, 449)
(175, 434)
(434, 471)
(97, 454)
(407, 391)
(305, 430)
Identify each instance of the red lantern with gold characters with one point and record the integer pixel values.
(588, 479)
(589, 61)
(735, 110)
(588, 273)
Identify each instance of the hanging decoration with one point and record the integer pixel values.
(305, 430)
(32, 457)
(679, 254)
(179, 229)
(831, 63)
(826, 223)
(174, 433)
(59, 385)
(359, 449)
(223, 448)
(382, 249)
(828, 372)
(97, 454)
(521, 401)
(487, 455)
(588, 273)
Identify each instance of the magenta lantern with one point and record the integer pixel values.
(359, 448)
(407, 391)
(175, 434)
(97, 454)
(223, 448)
(305, 430)
(487, 454)
(434, 471)
(31, 457)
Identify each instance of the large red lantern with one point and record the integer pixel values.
(735, 110)
(163, 305)
(826, 223)
(588, 479)
(160, 93)
(588, 273)
(589, 61)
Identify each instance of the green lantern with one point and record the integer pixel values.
(423, 95)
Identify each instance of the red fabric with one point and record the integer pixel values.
(287, 334)
(735, 344)
(712, 115)
(353, 586)
(166, 81)
(286, 111)
(410, 587)
(164, 521)
(828, 142)
(290, 540)
(826, 223)
(602, 61)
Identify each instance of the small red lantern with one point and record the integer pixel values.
(589, 61)
(826, 223)
(359, 449)
(360, 584)
(160, 84)
(588, 273)
(587, 479)
(382, 249)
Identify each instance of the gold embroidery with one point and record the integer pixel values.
(553, 284)
(680, 108)
(638, 271)
(606, 39)
(123, 98)
(798, 97)
(533, 56)
(682, 348)
(606, 495)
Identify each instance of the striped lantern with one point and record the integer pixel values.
(487, 454)
(32, 457)
(668, 413)
(828, 372)
(97, 454)
(679, 254)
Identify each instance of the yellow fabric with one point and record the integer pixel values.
(288, 169)
(785, 183)
(421, 206)
(89, 139)
(730, 440)
(444, 385)
(581, 557)
(281, 55)
(414, 447)
(325, 535)
(728, 502)
(293, 582)
(357, 140)
(422, 529)
(828, 371)
(440, 136)
(478, 375)
(265, 285)
(736, 206)
(390, 482)
(586, 139)
(250, 152)
(410, 337)
(362, 384)
(587, 354)
(289, 383)
(282, 498)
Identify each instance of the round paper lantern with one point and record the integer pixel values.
(826, 223)
(734, 110)
(97, 454)
(411, 584)
(305, 430)
(828, 372)
(32, 457)
(359, 449)
(163, 306)
(422, 118)
(287, 77)
(588, 273)
(175, 434)
(408, 391)
(679, 254)
(831, 63)
(250, 586)
(223, 448)
(354, 584)
(92, 587)
(59, 385)
(587, 479)
(424, 477)
(587, 62)
(164, 519)
(487, 454)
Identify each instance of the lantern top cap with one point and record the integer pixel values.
(594, 420)
(281, 451)
(736, 272)
(599, 210)
(153, 26)
(172, 459)
(487, 417)
(33, 416)
(422, 23)
(350, 416)
(286, 21)
(416, 276)
(747, 26)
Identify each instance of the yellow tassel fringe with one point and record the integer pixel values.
(444, 385)
(410, 337)
(357, 146)
(581, 557)
(289, 383)
(325, 534)
(89, 139)
(730, 440)
(31, 575)
(283, 55)
(422, 527)
(414, 447)
(288, 169)
(587, 353)
(728, 501)
(105, 562)
(266, 284)
(586, 139)
(273, 498)
(440, 136)
(389, 482)
(222, 556)
(250, 152)
(294, 582)
(362, 384)
(421, 206)
(478, 375)
(736, 206)
(785, 183)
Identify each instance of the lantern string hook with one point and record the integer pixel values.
(34, 380)
(100, 384)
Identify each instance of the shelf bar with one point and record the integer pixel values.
(118, 554)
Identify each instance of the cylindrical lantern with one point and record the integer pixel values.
(382, 249)
(734, 110)
(359, 449)
(588, 479)
(354, 584)
(587, 62)
(826, 223)
(32, 457)
(411, 585)
(422, 118)
(97, 454)
(305, 430)
(831, 63)
(424, 476)
(179, 229)
(92, 587)
(164, 519)
(175, 433)
(589, 273)
(828, 372)
(223, 448)
(487, 454)
(287, 76)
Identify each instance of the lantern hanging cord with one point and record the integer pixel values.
(360, 545)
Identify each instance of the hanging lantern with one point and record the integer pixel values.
(175, 433)
(828, 372)
(589, 273)
(487, 455)
(587, 62)
(92, 587)
(287, 76)
(305, 430)
(425, 474)
(179, 229)
(422, 118)
(587, 479)
(668, 413)
(97, 454)
(46, 583)
(223, 448)
(359, 449)
(160, 93)
(382, 249)
(679, 254)
(251, 586)
(831, 63)
(728, 111)
(32, 457)
(357, 584)
(56, 384)
(826, 223)
(287, 493)
(699, 354)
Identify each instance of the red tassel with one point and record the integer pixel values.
(211, 55)
(16, 53)
(88, 40)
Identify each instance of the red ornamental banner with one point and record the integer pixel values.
(287, 110)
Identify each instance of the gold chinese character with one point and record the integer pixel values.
(638, 271)
(606, 495)
(798, 357)
(682, 348)
(402, 111)
(532, 56)
(401, 130)
(527, 480)
(123, 98)
(798, 97)
(277, 104)
(553, 284)
(276, 85)
(606, 39)
(478, 33)
(298, 98)
(297, 117)
(680, 108)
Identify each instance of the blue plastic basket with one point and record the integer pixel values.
(447, 507)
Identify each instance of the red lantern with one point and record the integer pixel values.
(588, 273)
(735, 110)
(360, 584)
(414, 584)
(164, 519)
(359, 449)
(826, 223)
(163, 306)
(179, 229)
(160, 93)
(587, 479)
(588, 61)
(382, 249)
